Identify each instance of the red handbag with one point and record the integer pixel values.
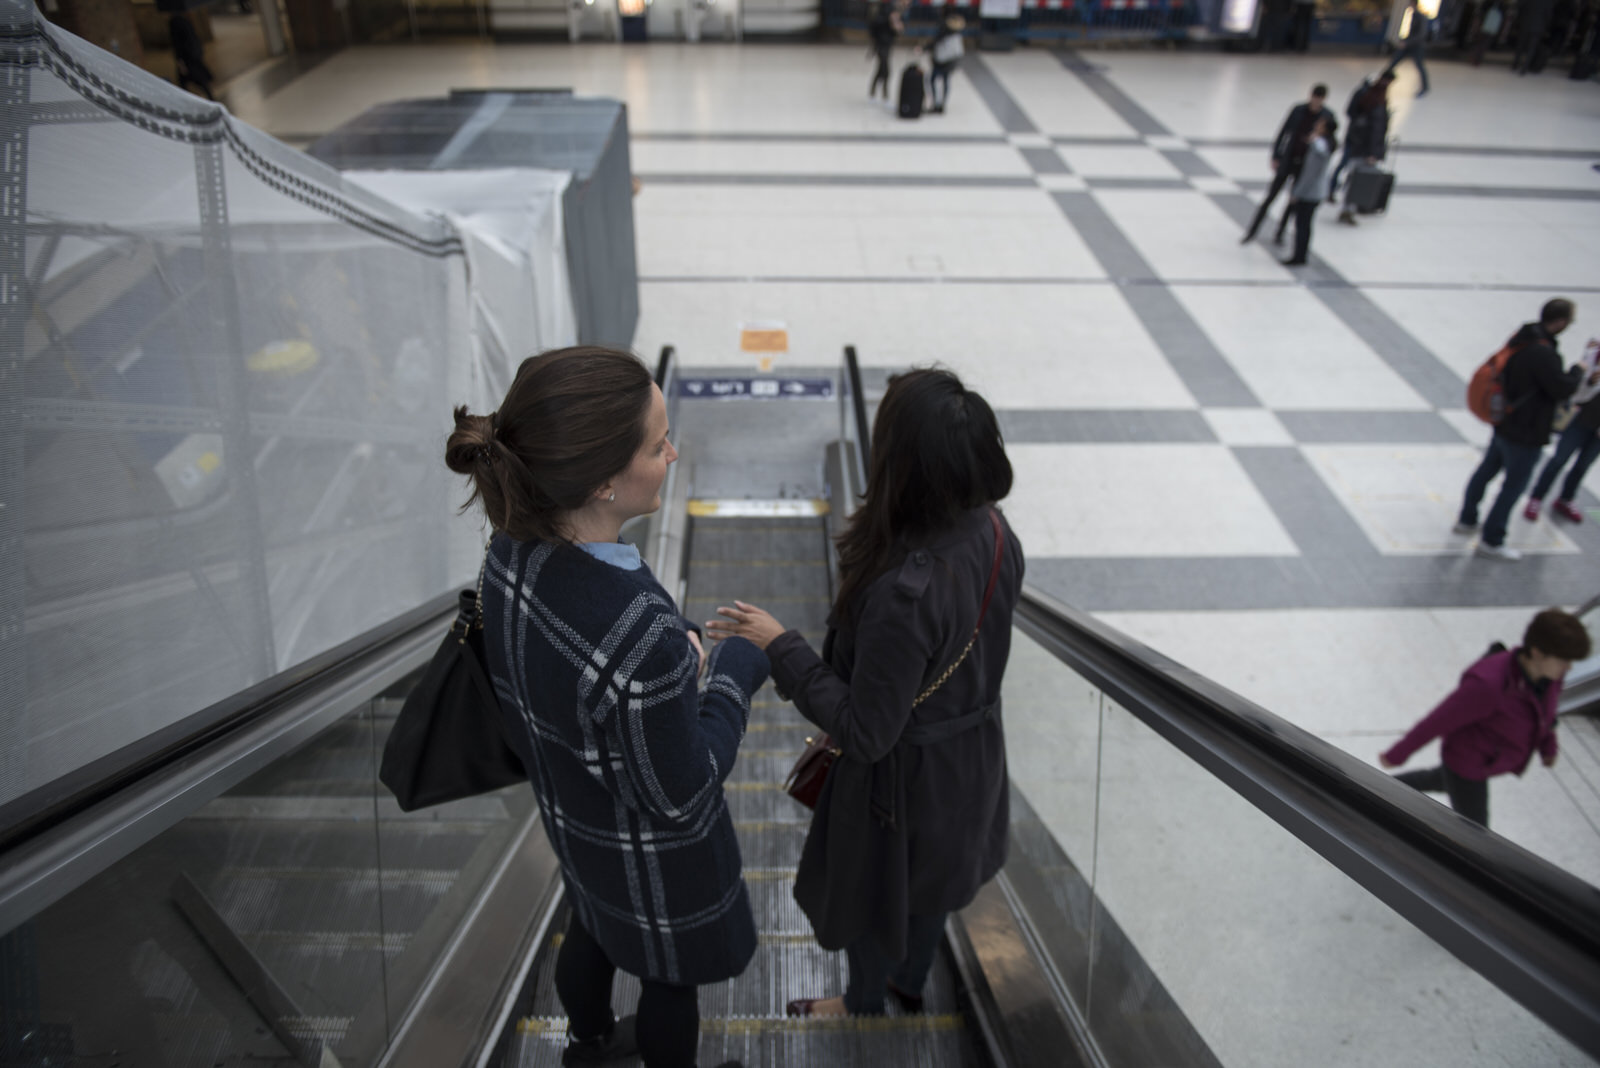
(805, 780)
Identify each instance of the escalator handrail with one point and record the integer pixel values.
(1377, 816)
(31, 817)
(664, 365)
(858, 402)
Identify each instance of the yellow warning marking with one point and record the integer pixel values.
(749, 787)
(283, 358)
(768, 508)
(764, 341)
(769, 875)
(767, 825)
(208, 462)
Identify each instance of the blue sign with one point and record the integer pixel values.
(758, 388)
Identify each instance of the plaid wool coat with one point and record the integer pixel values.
(598, 684)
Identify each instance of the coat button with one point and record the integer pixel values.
(919, 558)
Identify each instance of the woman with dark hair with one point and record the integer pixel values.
(596, 672)
(913, 817)
(1310, 186)
(1367, 139)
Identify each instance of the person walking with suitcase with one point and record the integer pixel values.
(1368, 139)
(1502, 713)
(1310, 187)
(1532, 384)
(1581, 438)
(1288, 152)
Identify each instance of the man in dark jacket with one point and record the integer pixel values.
(1288, 153)
(885, 26)
(1504, 710)
(1533, 385)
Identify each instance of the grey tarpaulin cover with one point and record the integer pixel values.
(546, 129)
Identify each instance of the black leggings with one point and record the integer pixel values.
(669, 1016)
(881, 75)
(1470, 797)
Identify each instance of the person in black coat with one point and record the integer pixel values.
(1580, 439)
(189, 54)
(886, 24)
(913, 817)
(1368, 138)
(1534, 384)
(596, 672)
(1288, 152)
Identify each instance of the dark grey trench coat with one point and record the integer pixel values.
(906, 829)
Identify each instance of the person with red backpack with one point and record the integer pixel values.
(1503, 711)
(1531, 384)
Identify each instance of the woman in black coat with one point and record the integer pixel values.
(913, 818)
(1367, 140)
(596, 672)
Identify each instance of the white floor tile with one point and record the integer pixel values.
(1293, 351)
(1213, 184)
(1407, 497)
(1184, 235)
(855, 231)
(1112, 161)
(806, 158)
(1463, 328)
(1034, 346)
(1126, 500)
(1246, 426)
(1062, 183)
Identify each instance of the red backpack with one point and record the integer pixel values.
(1486, 393)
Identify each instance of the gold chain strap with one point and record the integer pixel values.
(951, 670)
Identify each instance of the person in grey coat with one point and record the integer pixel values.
(913, 817)
(596, 672)
(1310, 188)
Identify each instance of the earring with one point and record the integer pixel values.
(613, 496)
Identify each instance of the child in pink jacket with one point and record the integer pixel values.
(1504, 710)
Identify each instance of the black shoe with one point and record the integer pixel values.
(1247, 238)
(618, 1044)
(1277, 239)
(908, 1002)
(1294, 263)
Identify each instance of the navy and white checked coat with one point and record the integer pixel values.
(597, 680)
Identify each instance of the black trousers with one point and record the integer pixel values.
(1470, 797)
(871, 970)
(1305, 212)
(882, 73)
(668, 1026)
(1286, 174)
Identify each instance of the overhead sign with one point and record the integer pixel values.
(758, 388)
(1000, 9)
(767, 336)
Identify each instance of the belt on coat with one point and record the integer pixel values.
(886, 789)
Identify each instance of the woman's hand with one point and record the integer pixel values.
(699, 649)
(745, 621)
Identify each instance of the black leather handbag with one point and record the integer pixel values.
(447, 742)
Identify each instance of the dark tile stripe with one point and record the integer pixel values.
(1311, 513)
(827, 138)
(1045, 161)
(964, 181)
(1402, 188)
(1007, 113)
(1330, 428)
(1131, 113)
(1502, 151)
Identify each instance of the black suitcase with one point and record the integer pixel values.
(1369, 190)
(911, 90)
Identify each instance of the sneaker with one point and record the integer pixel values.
(1498, 552)
(1565, 510)
(1348, 218)
(1531, 512)
(1464, 528)
(618, 1044)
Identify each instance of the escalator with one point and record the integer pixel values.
(1191, 879)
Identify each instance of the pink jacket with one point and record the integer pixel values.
(1491, 724)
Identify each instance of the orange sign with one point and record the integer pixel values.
(764, 340)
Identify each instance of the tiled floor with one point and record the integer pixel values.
(1251, 468)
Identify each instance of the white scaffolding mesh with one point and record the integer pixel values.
(225, 381)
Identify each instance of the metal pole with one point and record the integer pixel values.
(227, 345)
(272, 26)
(15, 81)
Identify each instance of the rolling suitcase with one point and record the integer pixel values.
(911, 91)
(1369, 190)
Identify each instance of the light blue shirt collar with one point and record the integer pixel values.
(616, 553)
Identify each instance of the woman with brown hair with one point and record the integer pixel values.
(596, 672)
(913, 817)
